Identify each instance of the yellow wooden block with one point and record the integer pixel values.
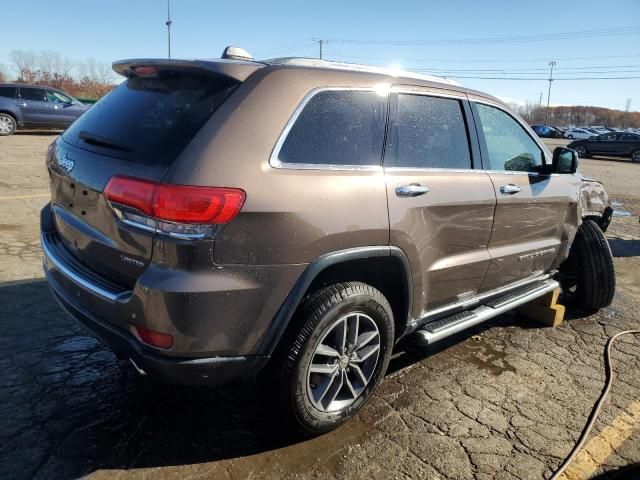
(545, 309)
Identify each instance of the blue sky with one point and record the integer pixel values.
(115, 29)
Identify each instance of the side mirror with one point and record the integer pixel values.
(565, 160)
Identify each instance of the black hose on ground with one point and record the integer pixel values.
(598, 405)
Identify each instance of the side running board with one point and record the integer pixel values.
(445, 327)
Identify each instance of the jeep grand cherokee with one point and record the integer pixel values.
(210, 220)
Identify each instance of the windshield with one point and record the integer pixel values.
(150, 120)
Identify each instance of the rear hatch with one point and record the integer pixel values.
(138, 130)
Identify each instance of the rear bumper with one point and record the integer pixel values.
(208, 371)
(217, 317)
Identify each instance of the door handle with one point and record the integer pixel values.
(22, 104)
(413, 190)
(510, 189)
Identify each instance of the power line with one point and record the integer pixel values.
(609, 68)
(476, 60)
(287, 46)
(606, 32)
(541, 78)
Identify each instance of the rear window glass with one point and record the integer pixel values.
(337, 127)
(150, 120)
(8, 92)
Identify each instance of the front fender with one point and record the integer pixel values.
(595, 203)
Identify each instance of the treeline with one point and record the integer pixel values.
(562, 116)
(84, 79)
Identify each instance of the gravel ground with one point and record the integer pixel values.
(506, 401)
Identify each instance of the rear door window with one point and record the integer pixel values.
(34, 94)
(427, 132)
(337, 127)
(150, 120)
(508, 145)
(8, 92)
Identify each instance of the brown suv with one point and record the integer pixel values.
(212, 218)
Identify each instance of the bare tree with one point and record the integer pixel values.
(23, 60)
(3, 73)
(100, 72)
(52, 62)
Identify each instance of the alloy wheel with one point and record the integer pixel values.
(636, 156)
(581, 151)
(6, 124)
(343, 362)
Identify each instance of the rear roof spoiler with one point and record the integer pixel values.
(237, 70)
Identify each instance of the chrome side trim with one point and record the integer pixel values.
(51, 259)
(484, 313)
(475, 300)
(275, 162)
(432, 170)
(428, 91)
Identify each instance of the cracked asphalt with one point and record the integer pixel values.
(507, 400)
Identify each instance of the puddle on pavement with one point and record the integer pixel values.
(487, 358)
(324, 452)
(621, 213)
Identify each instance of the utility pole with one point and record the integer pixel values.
(546, 118)
(627, 108)
(168, 24)
(540, 101)
(320, 43)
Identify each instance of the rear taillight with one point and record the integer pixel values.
(177, 210)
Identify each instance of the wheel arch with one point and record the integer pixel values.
(11, 113)
(382, 267)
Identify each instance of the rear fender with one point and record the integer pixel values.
(313, 270)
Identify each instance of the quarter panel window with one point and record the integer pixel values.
(37, 94)
(8, 92)
(427, 132)
(509, 146)
(337, 127)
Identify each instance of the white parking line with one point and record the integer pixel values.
(38, 195)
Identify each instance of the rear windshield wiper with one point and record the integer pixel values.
(99, 141)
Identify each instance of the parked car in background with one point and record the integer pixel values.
(593, 130)
(612, 144)
(577, 133)
(32, 106)
(559, 130)
(545, 131)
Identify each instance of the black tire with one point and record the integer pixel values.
(635, 156)
(581, 150)
(570, 137)
(291, 366)
(8, 124)
(589, 278)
